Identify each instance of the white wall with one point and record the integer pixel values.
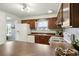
(3, 30)
(13, 20)
(40, 16)
(67, 34)
(2, 27)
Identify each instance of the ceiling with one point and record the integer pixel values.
(36, 9)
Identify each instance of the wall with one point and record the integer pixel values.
(67, 33)
(2, 27)
(40, 16)
(13, 20)
(3, 19)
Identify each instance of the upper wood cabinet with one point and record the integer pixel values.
(74, 14)
(52, 23)
(71, 15)
(31, 22)
(68, 15)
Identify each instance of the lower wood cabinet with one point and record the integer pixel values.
(42, 39)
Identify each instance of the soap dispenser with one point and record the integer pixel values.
(73, 39)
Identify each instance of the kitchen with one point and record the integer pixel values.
(48, 26)
(43, 29)
(35, 28)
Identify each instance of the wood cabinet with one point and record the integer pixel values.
(74, 14)
(70, 15)
(42, 39)
(52, 23)
(31, 22)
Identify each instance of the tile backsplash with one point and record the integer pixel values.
(67, 33)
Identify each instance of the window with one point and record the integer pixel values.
(42, 24)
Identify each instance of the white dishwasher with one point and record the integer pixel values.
(31, 38)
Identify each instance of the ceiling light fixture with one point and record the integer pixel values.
(22, 9)
(25, 7)
(8, 18)
(50, 11)
(28, 9)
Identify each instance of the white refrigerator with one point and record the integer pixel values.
(21, 32)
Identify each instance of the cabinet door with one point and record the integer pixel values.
(42, 39)
(52, 23)
(71, 15)
(74, 14)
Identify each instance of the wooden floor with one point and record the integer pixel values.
(15, 48)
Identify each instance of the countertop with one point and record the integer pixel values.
(43, 31)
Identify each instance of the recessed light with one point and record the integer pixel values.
(8, 18)
(22, 9)
(50, 11)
